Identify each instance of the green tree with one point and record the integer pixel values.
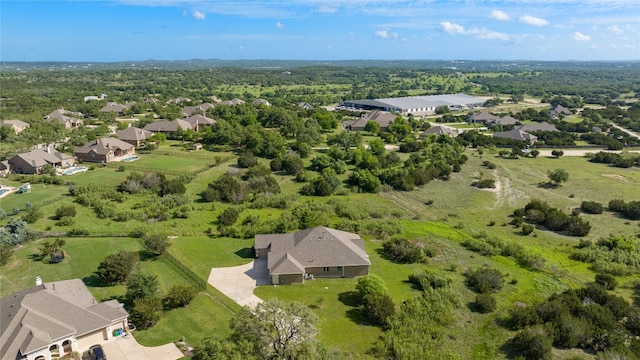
(65, 210)
(214, 349)
(229, 216)
(372, 127)
(607, 281)
(484, 280)
(533, 343)
(6, 251)
(557, 153)
(179, 296)
(146, 312)
(371, 284)
(156, 244)
(378, 309)
(32, 214)
(115, 268)
(558, 176)
(277, 329)
(141, 285)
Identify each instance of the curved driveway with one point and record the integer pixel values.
(238, 282)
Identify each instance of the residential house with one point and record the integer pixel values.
(5, 168)
(558, 110)
(66, 118)
(178, 100)
(317, 252)
(198, 109)
(133, 135)
(117, 108)
(104, 150)
(35, 161)
(198, 121)
(384, 119)
(442, 130)
(94, 97)
(234, 101)
(305, 105)
(51, 320)
(491, 120)
(261, 102)
(16, 125)
(517, 134)
(541, 126)
(169, 127)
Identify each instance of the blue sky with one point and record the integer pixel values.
(121, 30)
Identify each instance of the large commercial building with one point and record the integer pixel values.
(416, 105)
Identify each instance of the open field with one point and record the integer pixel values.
(456, 211)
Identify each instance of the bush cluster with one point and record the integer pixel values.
(616, 255)
(616, 160)
(540, 213)
(426, 279)
(484, 280)
(586, 318)
(592, 207)
(402, 251)
(494, 246)
(630, 210)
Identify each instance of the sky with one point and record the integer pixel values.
(130, 30)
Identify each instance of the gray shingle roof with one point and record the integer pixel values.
(315, 247)
(42, 157)
(516, 134)
(103, 146)
(35, 317)
(168, 126)
(542, 126)
(442, 130)
(199, 120)
(133, 134)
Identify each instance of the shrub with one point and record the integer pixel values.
(371, 285)
(156, 244)
(378, 309)
(65, 221)
(146, 312)
(557, 153)
(402, 251)
(423, 280)
(592, 207)
(533, 343)
(247, 160)
(484, 280)
(115, 268)
(229, 216)
(485, 303)
(617, 205)
(527, 229)
(65, 210)
(632, 210)
(32, 215)
(607, 281)
(485, 184)
(6, 251)
(179, 296)
(141, 285)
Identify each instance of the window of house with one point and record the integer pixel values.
(325, 269)
(339, 268)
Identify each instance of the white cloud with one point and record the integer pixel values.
(615, 29)
(382, 34)
(199, 15)
(532, 20)
(327, 9)
(480, 33)
(452, 28)
(279, 25)
(578, 36)
(500, 15)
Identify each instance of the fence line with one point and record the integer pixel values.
(201, 284)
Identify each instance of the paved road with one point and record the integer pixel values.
(583, 152)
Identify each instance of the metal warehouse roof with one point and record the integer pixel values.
(415, 102)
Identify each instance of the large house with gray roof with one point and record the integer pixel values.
(35, 161)
(16, 125)
(541, 126)
(133, 135)
(517, 134)
(416, 105)
(67, 118)
(51, 320)
(384, 119)
(168, 127)
(315, 252)
(489, 119)
(104, 150)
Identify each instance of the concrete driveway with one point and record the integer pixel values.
(128, 349)
(238, 282)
